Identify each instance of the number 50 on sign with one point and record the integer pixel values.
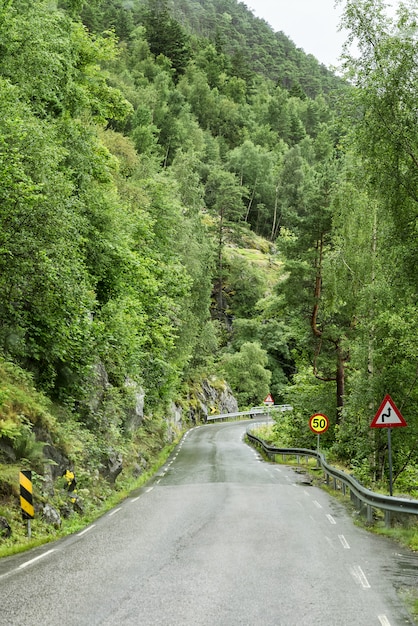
(319, 423)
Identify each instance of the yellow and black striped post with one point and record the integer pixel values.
(26, 500)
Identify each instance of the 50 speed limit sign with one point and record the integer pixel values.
(319, 423)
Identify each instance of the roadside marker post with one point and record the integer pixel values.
(26, 499)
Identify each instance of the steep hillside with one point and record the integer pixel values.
(250, 43)
(253, 45)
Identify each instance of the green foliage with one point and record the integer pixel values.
(308, 396)
(142, 147)
(244, 285)
(166, 36)
(29, 451)
(247, 374)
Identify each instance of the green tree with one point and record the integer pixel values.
(383, 137)
(247, 374)
(166, 36)
(224, 196)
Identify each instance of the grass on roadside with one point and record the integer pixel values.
(42, 533)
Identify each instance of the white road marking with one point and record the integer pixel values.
(344, 542)
(135, 499)
(114, 511)
(316, 503)
(331, 519)
(306, 492)
(149, 489)
(383, 620)
(86, 530)
(360, 576)
(41, 556)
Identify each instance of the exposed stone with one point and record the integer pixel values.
(51, 515)
(139, 467)
(216, 398)
(174, 422)
(78, 504)
(100, 384)
(137, 471)
(7, 454)
(113, 466)
(135, 414)
(5, 529)
(59, 461)
(66, 510)
(6, 489)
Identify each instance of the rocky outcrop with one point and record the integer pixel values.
(51, 515)
(5, 529)
(113, 465)
(134, 412)
(212, 396)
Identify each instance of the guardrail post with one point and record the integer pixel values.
(354, 499)
(335, 484)
(387, 519)
(369, 514)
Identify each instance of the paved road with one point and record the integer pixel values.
(218, 538)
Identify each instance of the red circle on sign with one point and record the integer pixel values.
(319, 423)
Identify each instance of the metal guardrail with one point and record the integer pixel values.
(256, 410)
(359, 494)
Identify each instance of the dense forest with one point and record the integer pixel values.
(187, 196)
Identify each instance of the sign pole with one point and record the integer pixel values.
(388, 416)
(390, 462)
(319, 424)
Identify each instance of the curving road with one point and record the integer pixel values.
(217, 538)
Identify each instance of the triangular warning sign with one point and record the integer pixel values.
(269, 399)
(388, 415)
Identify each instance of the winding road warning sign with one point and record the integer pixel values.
(388, 415)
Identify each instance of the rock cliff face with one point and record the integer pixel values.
(97, 458)
(209, 397)
(212, 396)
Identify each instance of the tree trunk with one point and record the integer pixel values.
(318, 282)
(340, 383)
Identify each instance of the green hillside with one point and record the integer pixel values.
(189, 203)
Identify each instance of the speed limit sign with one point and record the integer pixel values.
(318, 423)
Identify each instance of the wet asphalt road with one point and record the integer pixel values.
(217, 538)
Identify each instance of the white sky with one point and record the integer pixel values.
(311, 24)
